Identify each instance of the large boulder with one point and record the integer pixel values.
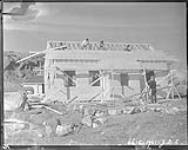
(13, 100)
(63, 130)
(87, 121)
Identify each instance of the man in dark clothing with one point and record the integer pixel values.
(152, 85)
(101, 45)
(24, 105)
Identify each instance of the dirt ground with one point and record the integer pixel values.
(149, 127)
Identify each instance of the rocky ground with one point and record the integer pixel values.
(162, 123)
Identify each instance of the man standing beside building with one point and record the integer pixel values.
(152, 86)
(24, 104)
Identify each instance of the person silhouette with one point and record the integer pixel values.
(152, 86)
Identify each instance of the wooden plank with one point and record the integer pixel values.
(98, 94)
(51, 109)
(177, 93)
(70, 101)
(95, 81)
(66, 74)
(137, 94)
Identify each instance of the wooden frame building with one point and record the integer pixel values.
(115, 70)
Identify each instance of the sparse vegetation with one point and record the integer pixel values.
(16, 73)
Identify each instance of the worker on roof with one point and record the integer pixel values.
(101, 45)
(85, 43)
(128, 48)
(152, 86)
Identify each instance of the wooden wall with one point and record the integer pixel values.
(111, 86)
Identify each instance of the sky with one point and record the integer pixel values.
(161, 24)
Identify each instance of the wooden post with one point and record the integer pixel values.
(102, 85)
(123, 90)
(40, 66)
(177, 92)
(172, 82)
(168, 94)
(146, 85)
(68, 90)
(172, 88)
(113, 91)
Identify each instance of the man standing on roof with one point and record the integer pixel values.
(85, 43)
(101, 45)
(152, 86)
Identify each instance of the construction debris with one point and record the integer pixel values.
(99, 113)
(158, 109)
(64, 129)
(12, 101)
(87, 121)
(172, 110)
(135, 110)
(48, 129)
(51, 109)
(42, 123)
(14, 126)
(100, 120)
(112, 111)
(127, 110)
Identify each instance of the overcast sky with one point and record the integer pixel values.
(161, 24)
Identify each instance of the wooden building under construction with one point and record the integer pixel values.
(112, 71)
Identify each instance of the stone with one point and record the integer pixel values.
(87, 121)
(102, 120)
(127, 110)
(14, 127)
(158, 109)
(99, 114)
(172, 110)
(95, 125)
(48, 129)
(135, 110)
(72, 142)
(12, 101)
(64, 129)
(112, 112)
(40, 135)
(13, 124)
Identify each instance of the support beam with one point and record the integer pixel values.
(96, 81)
(123, 90)
(112, 74)
(177, 93)
(172, 86)
(102, 85)
(168, 94)
(95, 96)
(66, 74)
(146, 86)
(68, 92)
(70, 78)
(71, 100)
